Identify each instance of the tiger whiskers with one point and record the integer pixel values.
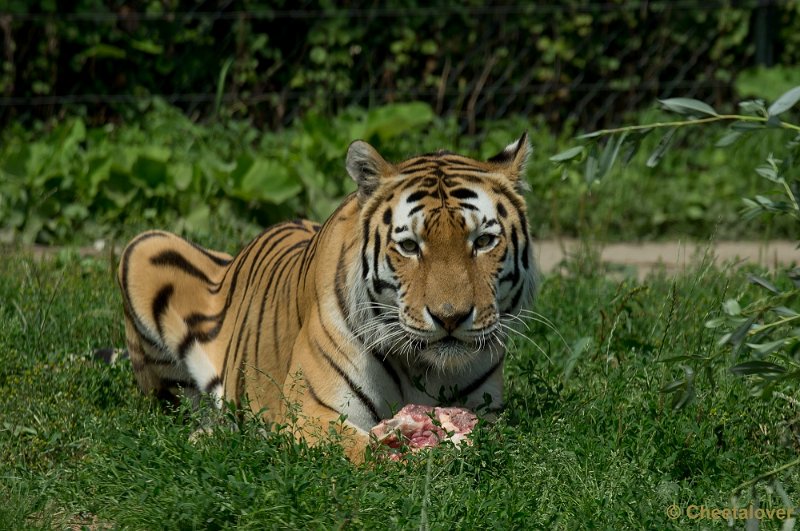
(507, 330)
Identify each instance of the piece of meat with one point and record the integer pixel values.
(424, 426)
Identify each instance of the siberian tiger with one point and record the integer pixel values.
(405, 291)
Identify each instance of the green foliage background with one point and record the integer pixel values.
(283, 61)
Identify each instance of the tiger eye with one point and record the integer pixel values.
(483, 241)
(409, 246)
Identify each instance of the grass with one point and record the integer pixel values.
(587, 439)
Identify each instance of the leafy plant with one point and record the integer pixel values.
(167, 170)
(763, 333)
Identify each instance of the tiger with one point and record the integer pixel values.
(406, 290)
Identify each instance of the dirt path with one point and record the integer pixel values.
(674, 257)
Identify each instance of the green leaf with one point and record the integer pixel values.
(716, 322)
(590, 171)
(767, 348)
(567, 154)
(688, 106)
(661, 148)
(101, 51)
(593, 134)
(609, 155)
(753, 107)
(147, 47)
(768, 172)
(673, 386)
(783, 311)
(757, 367)
(577, 350)
(261, 179)
(182, 175)
(785, 102)
(737, 336)
(728, 139)
(731, 307)
(683, 399)
(758, 281)
(389, 121)
(746, 126)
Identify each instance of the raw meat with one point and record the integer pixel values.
(425, 426)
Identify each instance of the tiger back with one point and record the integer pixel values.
(405, 295)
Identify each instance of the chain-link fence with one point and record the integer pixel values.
(574, 60)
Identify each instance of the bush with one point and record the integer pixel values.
(271, 62)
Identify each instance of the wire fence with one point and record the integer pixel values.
(589, 62)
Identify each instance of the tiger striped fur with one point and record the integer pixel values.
(404, 291)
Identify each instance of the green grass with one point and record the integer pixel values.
(586, 441)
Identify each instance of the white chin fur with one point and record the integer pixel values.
(449, 356)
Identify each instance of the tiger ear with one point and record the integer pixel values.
(512, 161)
(366, 167)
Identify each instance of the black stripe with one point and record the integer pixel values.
(513, 275)
(389, 370)
(183, 347)
(160, 303)
(319, 401)
(127, 256)
(284, 254)
(240, 369)
(148, 360)
(515, 299)
(216, 259)
(525, 240)
(501, 210)
(278, 274)
(261, 255)
(339, 286)
(170, 382)
(463, 193)
(479, 381)
(171, 258)
(215, 381)
(415, 210)
(195, 319)
(267, 236)
(272, 267)
(416, 196)
(328, 334)
(353, 387)
(364, 262)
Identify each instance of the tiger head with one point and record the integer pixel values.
(446, 256)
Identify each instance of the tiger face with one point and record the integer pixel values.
(446, 255)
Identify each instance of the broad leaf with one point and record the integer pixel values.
(785, 102)
(767, 348)
(757, 367)
(590, 172)
(728, 139)
(609, 155)
(661, 148)
(688, 106)
(732, 307)
(567, 154)
(763, 283)
(673, 386)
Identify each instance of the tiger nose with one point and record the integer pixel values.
(448, 318)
